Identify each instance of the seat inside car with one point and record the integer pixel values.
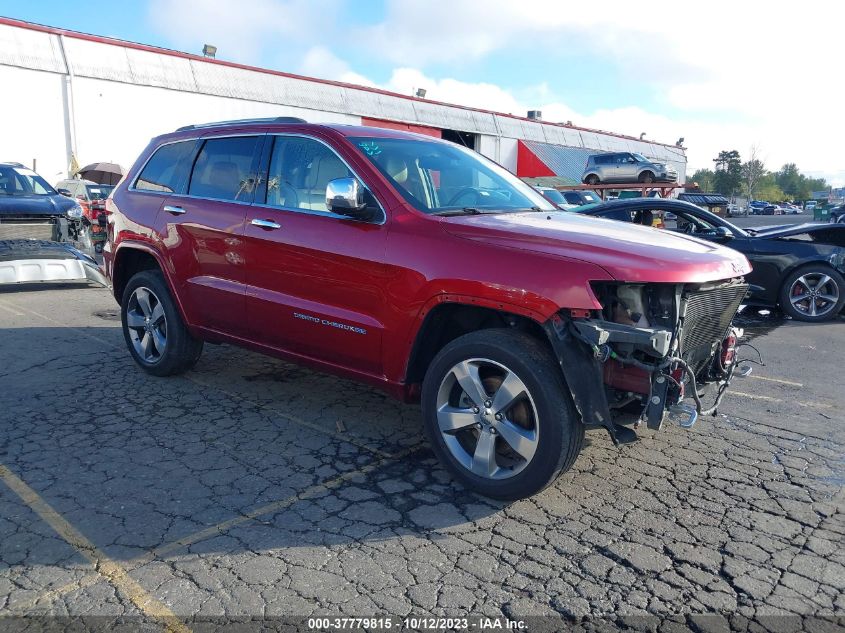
(220, 179)
(324, 168)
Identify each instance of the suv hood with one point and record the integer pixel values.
(627, 252)
(34, 205)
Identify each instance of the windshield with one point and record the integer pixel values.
(640, 158)
(20, 181)
(437, 177)
(554, 195)
(99, 192)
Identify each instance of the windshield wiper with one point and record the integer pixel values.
(464, 211)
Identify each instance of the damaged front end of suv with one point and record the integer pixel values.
(649, 347)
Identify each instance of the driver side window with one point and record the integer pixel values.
(300, 169)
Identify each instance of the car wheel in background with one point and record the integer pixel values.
(813, 293)
(592, 179)
(646, 176)
(498, 414)
(153, 328)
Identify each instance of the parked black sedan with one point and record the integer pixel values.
(799, 268)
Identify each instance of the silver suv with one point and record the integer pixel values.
(626, 167)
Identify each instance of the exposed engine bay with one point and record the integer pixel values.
(655, 345)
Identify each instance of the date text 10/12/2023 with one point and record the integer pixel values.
(416, 624)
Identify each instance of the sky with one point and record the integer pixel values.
(723, 74)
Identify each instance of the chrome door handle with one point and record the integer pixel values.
(266, 224)
(174, 210)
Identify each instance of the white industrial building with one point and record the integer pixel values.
(101, 99)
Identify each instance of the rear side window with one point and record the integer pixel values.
(167, 168)
(223, 169)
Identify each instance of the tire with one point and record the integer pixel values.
(826, 282)
(148, 312)
(592, 179)
(548, 430)
(646, 176)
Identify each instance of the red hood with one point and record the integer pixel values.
(628, 252)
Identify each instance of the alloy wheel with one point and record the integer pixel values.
(487, 418)
(814, 294)
(147, 325)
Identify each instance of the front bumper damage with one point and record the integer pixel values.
(29, 261)
(584, 349)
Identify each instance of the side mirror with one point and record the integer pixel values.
(346, 196)
(724, 233)
(64, 192)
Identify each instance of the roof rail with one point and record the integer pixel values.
(11, 163)
(277, 119)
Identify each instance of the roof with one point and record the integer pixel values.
(703, 198)
(222, 63)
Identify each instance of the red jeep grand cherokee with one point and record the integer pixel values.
(422, 268)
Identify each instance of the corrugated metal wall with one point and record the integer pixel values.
(112, 63)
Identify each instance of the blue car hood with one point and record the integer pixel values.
(49, 205)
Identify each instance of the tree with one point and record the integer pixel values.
(789, 179)
(768, 189)
(705, 178)
(752, 171)
(728, 176)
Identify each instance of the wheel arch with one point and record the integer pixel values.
(447, 320)
(133, 257)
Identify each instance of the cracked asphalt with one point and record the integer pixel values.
(253, 488)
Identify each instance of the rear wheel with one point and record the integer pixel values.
(153, 328)
(498, 414)
(813, 293)
(592, 179)
(646, 176)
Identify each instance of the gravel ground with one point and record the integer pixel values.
(253, 488)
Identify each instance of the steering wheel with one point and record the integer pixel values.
(476, 195)
(689, 229)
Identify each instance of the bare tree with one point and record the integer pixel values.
(753, 171)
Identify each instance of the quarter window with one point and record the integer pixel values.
(223, 169)
(167, 168)
(300, 169)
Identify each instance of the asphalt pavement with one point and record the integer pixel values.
(253, 488)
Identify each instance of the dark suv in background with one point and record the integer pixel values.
(31, 209)
(420, 267)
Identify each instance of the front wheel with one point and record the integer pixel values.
(153, 328)
(646, 177)
(498, 414)
(813, 293)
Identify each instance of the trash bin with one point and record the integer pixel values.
(821, 215)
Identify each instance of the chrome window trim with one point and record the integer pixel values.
(325, 214)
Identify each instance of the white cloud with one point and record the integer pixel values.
(730, 74)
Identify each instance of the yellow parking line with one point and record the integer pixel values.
(275, 506)
(212, 531)
(777, 380)
(287, 416)
(109, 569)
(15, 312)
(752, 396)
(291, 418)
